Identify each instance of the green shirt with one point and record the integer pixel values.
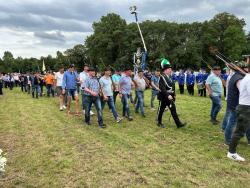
(215, 84)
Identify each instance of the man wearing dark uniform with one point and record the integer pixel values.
(167, 95)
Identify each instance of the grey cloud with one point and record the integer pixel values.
(43, 22)
(57, 36)
(73, 19)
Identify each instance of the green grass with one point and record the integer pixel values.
(47, 149)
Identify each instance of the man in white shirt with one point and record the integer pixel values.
(83, 76)
(243, 118)
(140, 85)
(107, 88)
(58, 84)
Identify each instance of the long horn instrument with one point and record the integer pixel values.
(226, 60)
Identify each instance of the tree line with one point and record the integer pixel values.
(114, 41)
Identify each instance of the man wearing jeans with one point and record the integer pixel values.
(125, 87)
(116, 79)
(107, 91)
(92, 96)
(214, 90)
(70, 78)
(83, 76)
(155, 87)
(140, 87)
(232, 103)
(49, 79)
(35, 85)
(243, 117)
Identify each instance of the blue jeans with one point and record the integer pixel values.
(225, 120)
(83, 101)
(231, 123)
(37, 89)
(154, 94)
(50, 89)
(125, 98)
(89, 100)
(216, 106)
(140, 101)
(111, 105)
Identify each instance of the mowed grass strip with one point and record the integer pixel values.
(47, 149)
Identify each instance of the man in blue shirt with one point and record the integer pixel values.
(69, 88)
(214, 90)
(125, 87)
(155, 87)
(116, 79)
(92, 96)
(181, 81)
(190, 79)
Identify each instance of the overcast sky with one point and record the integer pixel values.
(31, 28)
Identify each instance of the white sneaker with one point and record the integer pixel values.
(118, 120)
(235, 157)
(92, 113)
(61, 108)
(64, 107)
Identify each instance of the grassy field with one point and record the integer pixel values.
(46, 149)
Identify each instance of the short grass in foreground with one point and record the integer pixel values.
(47, 149)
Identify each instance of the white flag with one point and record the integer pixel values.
(43, 69)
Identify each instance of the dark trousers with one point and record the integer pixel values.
(115, 93)
(11, 85)
(190, 89)
(171, 105)
(1, 88)
(28, 88)
(181, 87)
(243, 124)
(89, 100)
(35, 88)
(23, 87)
(225, 91)
(125, 104)
(50, 90)
(203, 92)
(6, 84)
(17, 83)
(216, 106)
(41, 87)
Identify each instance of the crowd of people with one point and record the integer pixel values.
(98, 89)
(236, 122)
